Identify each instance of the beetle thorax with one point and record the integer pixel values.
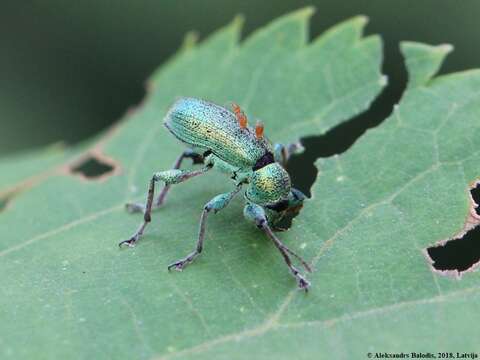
(268, 185)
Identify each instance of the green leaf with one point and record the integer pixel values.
(69, 292)
(19, 168)
(26, 169)
(401, 188)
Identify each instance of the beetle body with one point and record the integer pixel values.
(207, 126)
(222, 140)
(232, 149)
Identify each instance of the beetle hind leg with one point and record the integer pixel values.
(169, 177)
(139, 207)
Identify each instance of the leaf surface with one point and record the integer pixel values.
(71, 293)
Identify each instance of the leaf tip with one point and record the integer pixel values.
(189, 40)
(360, 20)
(356, 23)
(445, 48)
(423, 61)
(290, 30)
(238, 22)
(347, 32)
(305, 12)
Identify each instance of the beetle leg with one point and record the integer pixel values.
(139, 207)
(256, 214)
(283, 152)
(216, 204)
(169, 177)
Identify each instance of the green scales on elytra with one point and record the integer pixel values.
(221, 139)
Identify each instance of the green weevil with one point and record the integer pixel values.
(219, 138)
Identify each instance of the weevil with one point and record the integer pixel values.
(221, 139)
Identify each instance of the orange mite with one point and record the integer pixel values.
(242, 119)
(259, 130)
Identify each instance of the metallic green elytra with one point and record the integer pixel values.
(221, 139)
(206, 126)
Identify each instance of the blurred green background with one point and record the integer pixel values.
(70, 68)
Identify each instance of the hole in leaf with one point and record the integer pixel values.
(340, 138)
(463, 252)
(3, 203)
(459, 254)
(476, 197)
(286, 222)
(6, 200)
(93, 168)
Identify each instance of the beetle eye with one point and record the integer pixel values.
(259, 130)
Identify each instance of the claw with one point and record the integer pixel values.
(303, 284)
(179, 265)
(130, 242)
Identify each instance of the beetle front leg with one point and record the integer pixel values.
(196, 159)
(169, 177)
(282, 153)
(216, 204)
(256, 214)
